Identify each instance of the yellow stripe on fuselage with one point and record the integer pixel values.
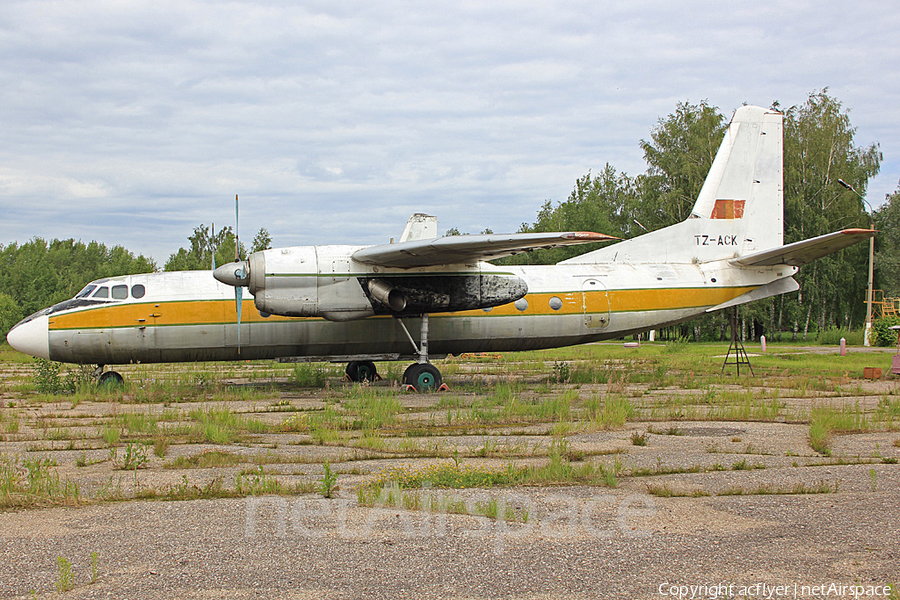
(222, 311)
(159, 314)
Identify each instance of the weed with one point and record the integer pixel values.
(664, 491)
(560, 372)
(820, 432)
(765, 490)
(134, 457)
(256, 483)
(46, 376)
(161, 446)
(13, 425)
(95, 567)
(221, 426)
(743, 465)
(373, 408)
(206, 460)
(613, 412)
(873, 479)
(309, 375)
(32, 483)
(111, 435)
(639, 439)
(328, 483)
(65, 580)
(137, 423)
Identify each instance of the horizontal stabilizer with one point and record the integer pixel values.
(800, 253)
(779, 286)
(460, 249)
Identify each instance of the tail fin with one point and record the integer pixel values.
(740, 209)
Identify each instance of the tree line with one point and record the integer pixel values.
(819, 149)
(39, 273)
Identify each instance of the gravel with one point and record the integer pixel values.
(579, 542)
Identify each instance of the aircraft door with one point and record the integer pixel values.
(595, 304)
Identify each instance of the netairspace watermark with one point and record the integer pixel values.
(603, 516)
(768, 591)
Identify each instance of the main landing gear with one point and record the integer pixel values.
(421, 376)
(361, 371)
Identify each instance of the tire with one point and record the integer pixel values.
(110, 379)
(423, 377)
(361, 370)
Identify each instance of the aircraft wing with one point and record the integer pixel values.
(459, 249)
(800, 253)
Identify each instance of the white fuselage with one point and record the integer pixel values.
(189, 316)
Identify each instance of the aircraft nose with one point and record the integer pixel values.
(31, 337)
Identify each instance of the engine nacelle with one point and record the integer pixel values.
(325, 281)
(308, 281)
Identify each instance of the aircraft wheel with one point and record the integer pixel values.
(110, 379)
(361, 370)
(423, 377)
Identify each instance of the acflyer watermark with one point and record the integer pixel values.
(603, 516)
(769, 591)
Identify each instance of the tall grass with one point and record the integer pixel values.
(827, 420)
(609, 413)
(221, 426)
(373, 408)
(31, 482)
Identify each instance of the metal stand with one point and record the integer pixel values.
(737, 348)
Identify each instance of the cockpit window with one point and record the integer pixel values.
(86, 291)
(103, 292)
(120, 292)
(137, 291)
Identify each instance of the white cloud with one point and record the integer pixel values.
(132, 122)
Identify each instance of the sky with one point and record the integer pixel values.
(131, 122)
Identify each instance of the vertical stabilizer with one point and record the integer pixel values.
(740, 208)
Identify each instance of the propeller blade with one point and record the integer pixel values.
(212, 245)
(240, 273)
(237, 239)
(239, 301)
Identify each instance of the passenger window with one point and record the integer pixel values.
(137, 291)
(102, 292)
(120, 292)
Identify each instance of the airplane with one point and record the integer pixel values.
(357, 304)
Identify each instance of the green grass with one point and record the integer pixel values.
(610, 413)
(223, 427)
(372, 407)
(310, 375)
(824, 421)
(523, 418)
(823, 487)
(207, 460)
(27, 483)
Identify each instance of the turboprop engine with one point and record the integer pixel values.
(325, 281)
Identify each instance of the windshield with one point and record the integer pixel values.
(86, 291)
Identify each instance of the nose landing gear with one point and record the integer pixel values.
(108, 378)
